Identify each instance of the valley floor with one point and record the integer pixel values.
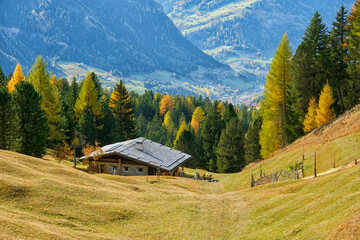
(42, 199)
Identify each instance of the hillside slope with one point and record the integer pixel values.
(43, 199)
(245, 33)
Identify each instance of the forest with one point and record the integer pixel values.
(303, 91)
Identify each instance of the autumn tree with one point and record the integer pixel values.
(168, 123)
(274, 106)
(16, 77)
(325, 113)
(62, 151)
(182, 128)
(310, 117)
(32, 123)
(121, 106)
(198, 118)
(166, 104)
(88, 97)
(39, 77)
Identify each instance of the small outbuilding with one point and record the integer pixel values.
(137, 157)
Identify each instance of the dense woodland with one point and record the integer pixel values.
(40, 112)
(302, 92)
(310, 88)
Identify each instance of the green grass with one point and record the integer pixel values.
(43, 199)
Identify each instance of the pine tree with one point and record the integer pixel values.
(6, 119)
(210, 133)
(39, 77)
(108, 125)
(2, 78)
(88, 97)
(309, 67)
(351, 97)
(252, 141)
(87, 126)
(33, 129)
(16, 77)
(310, 117)
(274, 107)
(231, 148)
(69, 110)
(182, 128)
(141, 123)
(198, 118)
(229, 113)
(120, 104)
(186, 143)
(325, 113)
(167, 103)
(338, 53)
(155, 131)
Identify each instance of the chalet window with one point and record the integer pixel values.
(101, 169)
(126, 169)
(140, 169)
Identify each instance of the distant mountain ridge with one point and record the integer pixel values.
(245, 33)
(123, 36)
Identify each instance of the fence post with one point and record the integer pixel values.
(252, 180)
(315, 165)
(356, 152)
(334, 160)
(302, 169)
(294, 171)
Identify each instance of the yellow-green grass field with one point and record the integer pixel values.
(43, 199)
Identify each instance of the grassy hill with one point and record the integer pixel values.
(42, 199)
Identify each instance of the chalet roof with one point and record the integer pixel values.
(147, 152)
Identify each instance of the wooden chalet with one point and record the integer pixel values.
(137, 157)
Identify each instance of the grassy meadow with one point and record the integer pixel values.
(44, 199)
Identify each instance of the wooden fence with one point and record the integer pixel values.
(296, 172)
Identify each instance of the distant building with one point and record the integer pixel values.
(137, 157)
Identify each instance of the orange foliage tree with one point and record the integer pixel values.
(17, 77)
(166, 104)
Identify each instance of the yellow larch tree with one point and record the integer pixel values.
(16, 77)
(274, 106)
(182, 128)
(88, 97)
(325, 113)
(197, 119)
(167, 103)
(168, 122)
(221, 108)
(310, 117)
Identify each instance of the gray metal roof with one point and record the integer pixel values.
(147, 152)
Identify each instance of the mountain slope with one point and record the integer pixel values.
(127, 36)
(245, 33)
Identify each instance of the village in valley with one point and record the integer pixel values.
(213, 152)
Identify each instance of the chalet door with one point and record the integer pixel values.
(114, 170)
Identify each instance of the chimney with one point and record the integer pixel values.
(139, 144)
